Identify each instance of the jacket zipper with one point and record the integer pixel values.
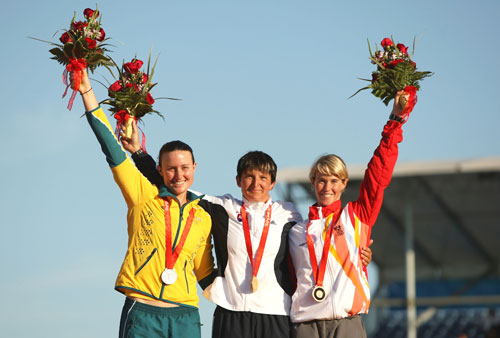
(185, 275)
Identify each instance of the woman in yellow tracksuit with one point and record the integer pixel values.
(157, 306)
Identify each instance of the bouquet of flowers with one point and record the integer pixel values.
(82, 45)
(130, 95)
(395, 71)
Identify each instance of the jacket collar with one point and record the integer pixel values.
(164, 193)
(318, 212)
(256, 205)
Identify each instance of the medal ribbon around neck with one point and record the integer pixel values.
(260, 250)
(172, 255)
(319, 272)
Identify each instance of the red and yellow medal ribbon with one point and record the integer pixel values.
(171, 254)
(319, 272)
(255, 262)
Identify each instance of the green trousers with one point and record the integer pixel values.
(141, 320)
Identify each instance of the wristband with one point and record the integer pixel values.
(138, 153)
(396, 118)
(86, 91)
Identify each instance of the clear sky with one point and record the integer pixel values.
(267, 75)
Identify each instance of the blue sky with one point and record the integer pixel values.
(267, 75)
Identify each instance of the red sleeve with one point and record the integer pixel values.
(378, 174)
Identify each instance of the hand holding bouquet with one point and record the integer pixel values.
(82, 46)
(395, 72)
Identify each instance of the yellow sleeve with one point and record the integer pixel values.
(134, 186)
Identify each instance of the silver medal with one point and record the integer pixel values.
(169, 276)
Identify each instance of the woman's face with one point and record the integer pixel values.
(328, 188)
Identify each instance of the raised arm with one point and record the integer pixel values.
(144, 162)
(89, 100)
(380, 168)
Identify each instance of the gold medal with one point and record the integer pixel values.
(255, 284)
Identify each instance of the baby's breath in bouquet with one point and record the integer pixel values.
(395, 71)
(82, 45)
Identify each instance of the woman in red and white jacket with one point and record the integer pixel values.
(332, 284)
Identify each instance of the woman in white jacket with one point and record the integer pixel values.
(332, 284)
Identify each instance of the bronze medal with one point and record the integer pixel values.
(319, 293)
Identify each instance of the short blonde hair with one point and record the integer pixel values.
(329, 165)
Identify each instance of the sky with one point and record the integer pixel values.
(251, 75)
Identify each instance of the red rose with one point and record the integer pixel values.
(414, 64)
(395, 62)
(65, 38)
(387, 42)
(122, 116)
(102, 35)
(128, 85)
(402, 48)
(144, 78)
(91, 43)
(150, 99)
(78, 25)
(117, 86)
(89, 12)
(133, 67)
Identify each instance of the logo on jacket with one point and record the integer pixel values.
(238, 217)
(337, 228)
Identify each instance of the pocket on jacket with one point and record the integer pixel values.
(147, 261)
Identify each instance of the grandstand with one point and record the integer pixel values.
(436, 246)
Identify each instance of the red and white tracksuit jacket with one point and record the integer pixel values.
(345, 280)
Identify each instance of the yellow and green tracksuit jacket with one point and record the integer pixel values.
(145, 258)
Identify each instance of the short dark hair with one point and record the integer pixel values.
(257, 160)
(173, 146)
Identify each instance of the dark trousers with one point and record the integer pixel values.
(350, 327)
(242, 324)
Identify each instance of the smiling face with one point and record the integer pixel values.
(255, 185)
(328, 188)
(177, 168)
